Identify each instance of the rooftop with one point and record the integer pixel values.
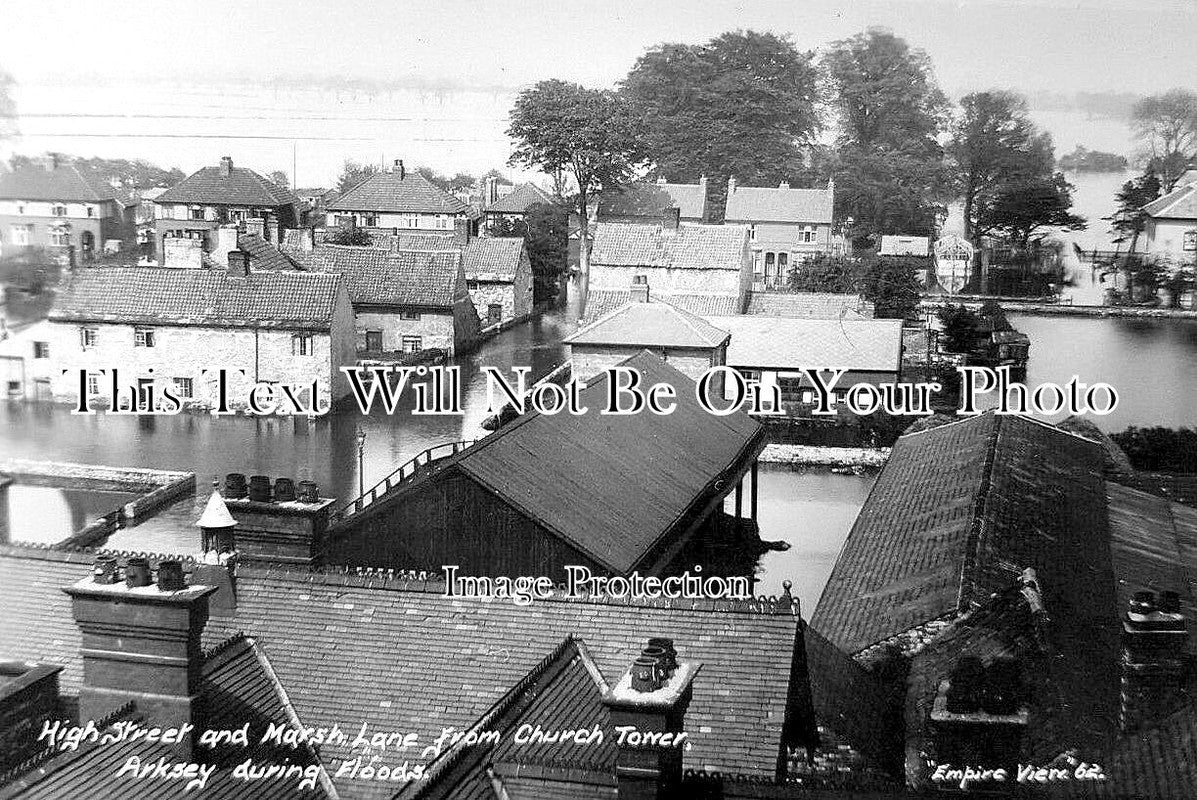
(494, 258)
(600, 302)
(652, 324)
(385, 277)
(520, 199)
(809, 305)
(781, 204)
(857, 345)
(399, 192)
(64, 182)
(1180, 203)
(690, 247)
(236, 186)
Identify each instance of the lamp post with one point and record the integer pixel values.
(361, 460)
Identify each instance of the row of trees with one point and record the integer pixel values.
(752, 105)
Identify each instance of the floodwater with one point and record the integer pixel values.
(47, 514)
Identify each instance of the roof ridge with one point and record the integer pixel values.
(972, 546)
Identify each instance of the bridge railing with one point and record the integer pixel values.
(406, 471)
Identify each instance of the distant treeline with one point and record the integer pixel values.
(1159, 449)
(1083, 159)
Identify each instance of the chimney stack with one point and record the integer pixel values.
(226, 166)
(283, 523)
(671, 219)
(639, 288)
(238, 264)
(399, 169)
(141, 643)
(731, 185)
(255, 226)
(28, 697)
(652, 697)
(783, 185)
(226, 242)
(1154, 636)
(461, 231)
(271, 234)
(490, 191)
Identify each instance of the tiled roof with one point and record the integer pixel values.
(242, 187)
(1158, 762)
(263, 255)
(64, 182)
(956, 513)
(809, 305)
(380, 276)
(387, 192)
(494, 258)
(691, 246)
(1180, 203)
(520, 200)
(414, 240)
(749, 204)
(614, 520)
(650, 200)
(872, 345)
(206, 297)
(600, 302)
(652, 324)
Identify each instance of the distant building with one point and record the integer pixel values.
(1171, 225)
(62, 208)
(704, 269)
(684, 341)
(514, 204)
(26, 361)
(773, 351)
(316, 198)
(398, 199)
(164, 327)
(787, 225)
(215, 196)
(652, 202)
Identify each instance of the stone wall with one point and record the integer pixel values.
(435, 329)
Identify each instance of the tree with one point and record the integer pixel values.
(353, 236)
(279, 177)
(353, 173)
(1130, 220)
(1082, 159)
(1021, 209)
(960, 325)
(889, 170)
(8, 107)
(460, 181)
(592, 134)
(1166, 124)
(888, 283)
(743, 104)
(545, 228)
(994, 146)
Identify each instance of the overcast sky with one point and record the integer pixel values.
(1090, 45)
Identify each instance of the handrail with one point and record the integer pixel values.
(410, 467)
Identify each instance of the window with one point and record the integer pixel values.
(370, 220)
(59, 238)
(93, 384)
(14, 387)
(143, 337)
(87, 337)
(197, 212)
(374, 341)
(472, 285)
(752, 233)
(59, 210)
(21, 208)
(91, 211)
(301, 344)
(442, 222)
(411, 220)
(494, 313)
(22, 234)
(412, 344)
(41, 349)
(185, 387)
(807, 235)
(414, 315)
(237, 215)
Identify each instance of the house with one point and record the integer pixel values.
(684, 341)
(651, 202)
(145, 218)
(649, 493)
(26, 366)
(498, 274)
(214, 196)
(247, 237)
(514, 204)
(316, 198)
(773, 351)
(1170, 228)
(704, 269)
(404, 301)
(787, 225)
(175, 328)
(403, 200)
(64, 209)
(809, 305)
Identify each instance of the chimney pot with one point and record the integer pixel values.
(105, 571)
(284, 490)
(170, 576)
(1169, 602)
(309, 492)
(137, 572)
(234, 485)
(238, 264)
(400, 169)
(259, 488)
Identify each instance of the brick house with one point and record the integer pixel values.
(398, 199)
(166, 326)
(787, 225)
(651, 202)
(214, 196)
(59, 206)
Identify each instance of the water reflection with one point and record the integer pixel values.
(48, 514)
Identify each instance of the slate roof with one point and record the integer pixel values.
(653, 324)
(957, 512)
(383, 277)
(809, 305)
(389, 193)
(873, 345)
(750, 204)
(404, 657)
(494, 258)
(1180, 203)
(520, 199)
(203, 297)
(242, 187)
(691, 246)
(64, 182)
(651, 200)
(600, 302)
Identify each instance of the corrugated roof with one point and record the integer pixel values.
(958, 511)
(750, 204)
(282, 299)
(600, 302)
(1180, 203)
(809, 305)
(64, 182)
(691, 246)
(872, 345)
(388, 192)
(651, 200)
(240, 187)
(381, 276)
(653, 324)
(520, 200)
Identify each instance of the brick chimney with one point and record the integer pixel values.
(226, 242)
(490, 191)
(399, 169)
(783, 185)
(1154, 635)
(141, 642)
(671, 219)
(461, 231)
(652, 697)
(271, 235)
(226, 166)
(731, 185)
(238, 264)
(639, 288)
(279, 523)
(28, 697)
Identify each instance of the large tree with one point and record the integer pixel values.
(743, 104)
(591, 134)
(1166, 124)
(545, 228)
(994, 146)
(353, 173)
(888, 283)
(889, 170)
(279, 178)
(1129, 220)
(1022, 209)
